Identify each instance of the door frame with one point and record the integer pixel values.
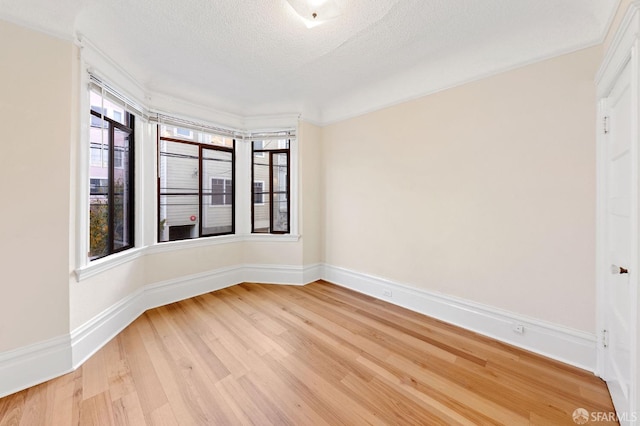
(624, 49)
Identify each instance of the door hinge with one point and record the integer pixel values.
(605, 339)
(605, 124)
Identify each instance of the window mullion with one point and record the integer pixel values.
(131, 172)
(288, 195)
(111, 197)
(200, 176)
(233, 188)
(253, 179)
(271, 192)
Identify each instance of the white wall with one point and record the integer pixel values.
(36, 88)
(485, 191)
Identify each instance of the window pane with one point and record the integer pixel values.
(107, 107)
(179, 187)
(217, 192)
(196, 182)
(99, 190)
(110, 176)
(261, 212)
(176, 132)
(195, 135)
(186, 133)
(99, 142)
(218, 140)
(121, 190)
(271, 144)
(280, 208)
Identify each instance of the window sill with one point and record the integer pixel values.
(101, 265)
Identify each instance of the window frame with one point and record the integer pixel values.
(201, 146)
(131, 199)
(269, 153)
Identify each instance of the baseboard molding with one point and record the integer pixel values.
(313, 273)
(286, 275)
(170, 291)
(564, 344)
(97, 332)
(34, 364)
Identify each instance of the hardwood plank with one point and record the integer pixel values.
(36, 404)
(11, 408)
(246, 412)
(163, 416)
(96, 411)
(127, 410)
(149, 388)
(67, 399)
(261, 354)
(95, 380)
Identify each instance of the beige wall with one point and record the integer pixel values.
(311, 192)
(485, 191)
(35, 118)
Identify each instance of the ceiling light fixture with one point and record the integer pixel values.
(315, 12)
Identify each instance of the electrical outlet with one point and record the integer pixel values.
(518, 328)
(387, 293)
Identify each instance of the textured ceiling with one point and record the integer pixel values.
(256, 57)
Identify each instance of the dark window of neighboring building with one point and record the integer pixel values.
(99, 186)
(258, 192)
(221, 192)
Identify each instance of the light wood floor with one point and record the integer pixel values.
(314, 355)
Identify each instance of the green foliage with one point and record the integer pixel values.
(99, 222)
(98, 228)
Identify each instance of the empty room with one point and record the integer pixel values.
(319, 212)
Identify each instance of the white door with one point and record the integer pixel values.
(618, 223)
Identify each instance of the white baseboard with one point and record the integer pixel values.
(34, 364)
(564, 344)
(288, 275)
(170, 291)
(97, 332)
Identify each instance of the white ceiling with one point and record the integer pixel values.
(256, 57)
